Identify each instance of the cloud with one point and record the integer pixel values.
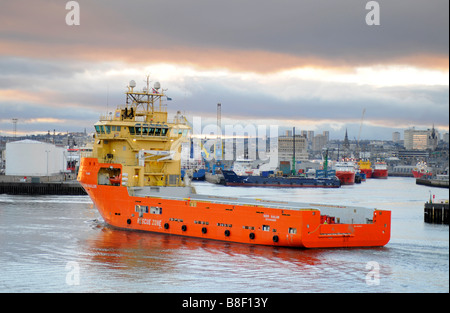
(254, 35)
(314, 63)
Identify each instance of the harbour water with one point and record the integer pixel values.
(60, 244)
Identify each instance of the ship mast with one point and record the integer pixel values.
(147, 99)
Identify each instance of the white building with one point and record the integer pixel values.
(33, 158)
(396, 137)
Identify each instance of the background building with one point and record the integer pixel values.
(286, 148)
(33, 158)
(421, 139)
(396, 137)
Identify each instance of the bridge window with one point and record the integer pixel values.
(138, 129)
(145, 130)
(155, 210)
(158, 132)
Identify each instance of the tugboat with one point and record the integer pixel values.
(133, 178)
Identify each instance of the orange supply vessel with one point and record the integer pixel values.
(133, 178)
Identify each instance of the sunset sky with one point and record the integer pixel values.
(312, 64)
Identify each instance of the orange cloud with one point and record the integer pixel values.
(235, 60)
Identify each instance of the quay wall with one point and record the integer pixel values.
(436, 213)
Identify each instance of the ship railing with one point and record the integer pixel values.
(108, 117)
(181, 120)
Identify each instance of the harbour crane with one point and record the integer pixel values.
(360, 128)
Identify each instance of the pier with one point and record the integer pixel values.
(58, 188)
(436, 213)
(432, 182)
(45, 185)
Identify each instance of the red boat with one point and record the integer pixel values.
(345, 171)
(421, 170)
(380, 170)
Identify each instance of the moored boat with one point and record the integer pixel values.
(232, 179)
(366, 168)
(421, 171)
(380, 170)
(346, 172)
(133, 178)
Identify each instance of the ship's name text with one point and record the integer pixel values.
(150, 222)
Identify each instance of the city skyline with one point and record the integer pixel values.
(312, 65)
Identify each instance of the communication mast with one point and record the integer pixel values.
(14, 120)
(219, 152)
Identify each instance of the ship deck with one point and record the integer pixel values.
(346, 214)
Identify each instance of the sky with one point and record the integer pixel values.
(309, 64)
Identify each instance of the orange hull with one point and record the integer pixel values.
(261, 222)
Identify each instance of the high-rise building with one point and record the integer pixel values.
(396, 137)
(319, 142)
(420, 139)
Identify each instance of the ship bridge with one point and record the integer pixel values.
(139, 137)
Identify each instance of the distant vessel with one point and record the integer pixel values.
(346, 172)
(244, 167)
(421, 171)
(366, 168)
(194, 174)
(133, 178)
(232, 179)
(380, 170)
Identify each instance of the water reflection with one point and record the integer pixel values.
(114, 247)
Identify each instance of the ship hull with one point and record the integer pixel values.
(368, 172)
(418, 174)
(262, 222)
(383, 174)
(346, 178)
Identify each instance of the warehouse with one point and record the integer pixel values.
(33, 158)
